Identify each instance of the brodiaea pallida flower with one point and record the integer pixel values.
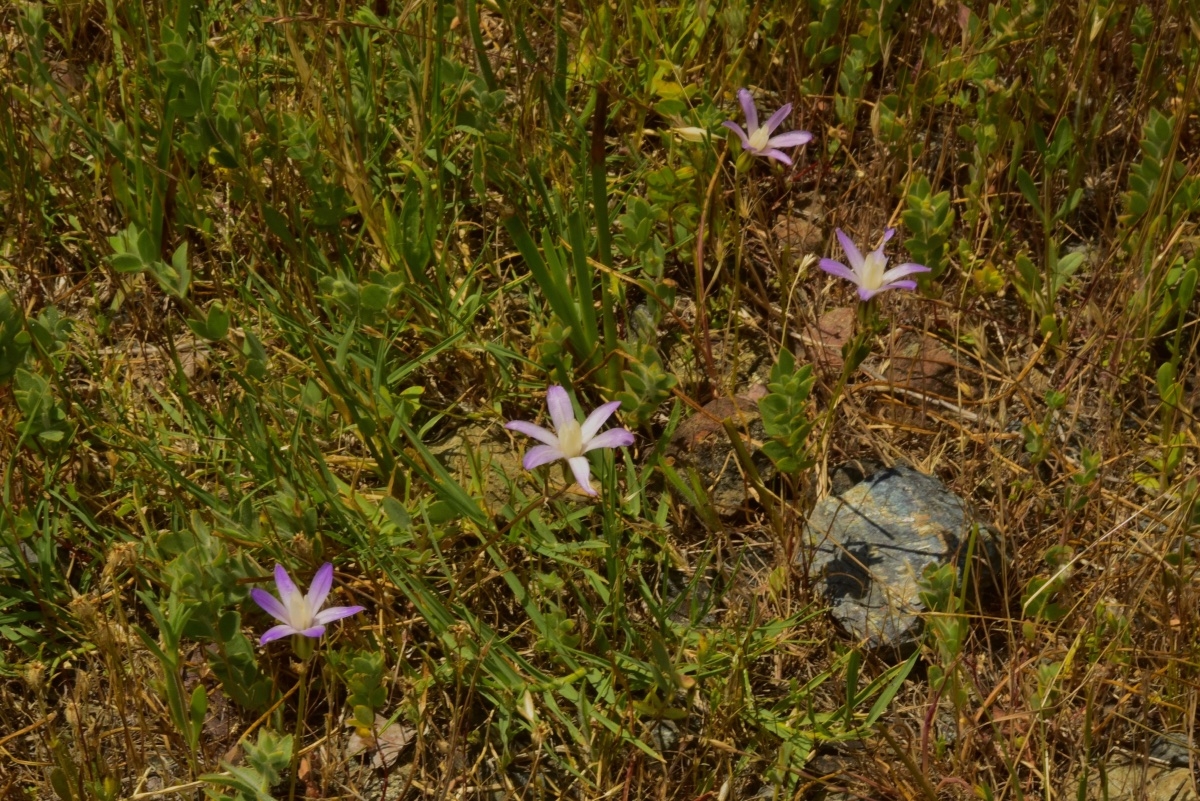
(570, 440)
(298, 613)
(870, 272)
(758, 139)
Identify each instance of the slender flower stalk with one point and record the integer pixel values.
(870, 272)
(761, 140)
(301, 716)
(570, 440)
(296, 612)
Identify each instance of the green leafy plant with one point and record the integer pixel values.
(1172, 443)
(1046, 693)
(50, 335)
(203, 576)
(785, 414)
(363, 673)
(942, 595)
(929, 220)
(214, 325)
(647, 384)
(266, 759)
(14, 339)
(1039, 288)
(44, 421)
(1142, 27)
(820, 47)
(134, 251)
(1154, 171)
(1042, 600)
(852, 80)
(1076, 494)
(864, 50)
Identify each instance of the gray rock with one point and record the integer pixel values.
(1171, 749)
(874, 542)
(849, 474)
(664, 736)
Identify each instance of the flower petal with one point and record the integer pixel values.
(336, 613)
(901, 270)
(778, 117)
(596, 419)
(559, 403)
(778, 155)
(612, 438)
(840, 270)
(581, 469)
(270, 604)
(856, 259)
(790, 139)
(899, 285)
(321, 583)
(737, 129)
(275, 633)
(539, 455)
(747, 101)
(867, 294)
(877, 253)
(287, 587)
(314, 631)
(531, 430)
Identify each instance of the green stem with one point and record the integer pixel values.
(867, 318)
(609, 293)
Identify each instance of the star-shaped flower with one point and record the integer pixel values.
(759, 140)
(570, 440)
(869, 272)
(298, 613)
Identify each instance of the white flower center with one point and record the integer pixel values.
(872, 270)
(759, 138)
(570, 439)
(299, 612)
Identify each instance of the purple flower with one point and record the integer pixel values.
(869, 272)
(570, 440)
(759, 141)
(297, 613)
